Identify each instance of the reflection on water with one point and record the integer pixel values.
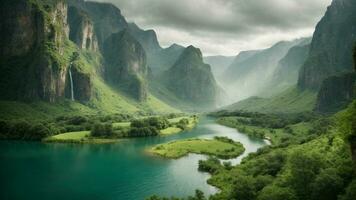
(31, 170)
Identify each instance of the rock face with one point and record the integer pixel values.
(331, 47)
(336, 93)
(82, 30)
(106, 17)
(82, 84)
(32, 42)
(126, 64)
(192, 80)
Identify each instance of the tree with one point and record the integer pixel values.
(243, 188)
(327, 185)
(304, 167)
(273, 192)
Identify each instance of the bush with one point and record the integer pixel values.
(101, 130)
(143, 132)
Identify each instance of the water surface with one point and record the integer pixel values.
(121, 171)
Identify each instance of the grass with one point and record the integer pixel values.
(174, 130)
(170, 131)
(78, 137)
(215, 147)
(292, 100)
(121, 125)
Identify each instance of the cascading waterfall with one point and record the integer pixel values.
(71, 82)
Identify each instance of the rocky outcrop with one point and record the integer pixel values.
(33, 35)
(82, 30)
(126, 64)
(331, 47)
(192, 80)
(336, 93)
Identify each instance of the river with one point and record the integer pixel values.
(120, 171)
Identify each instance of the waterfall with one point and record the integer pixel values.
(71, 82)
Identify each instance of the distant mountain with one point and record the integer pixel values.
(162, 60)
(331, 47)
(126, 64)
(147, 38)
(218, 63)
(191, 80)
(251, 71)
(287, 71)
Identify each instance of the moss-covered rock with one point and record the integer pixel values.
(34, 48)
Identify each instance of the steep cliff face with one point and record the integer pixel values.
(82, 31)
(106, 17)
(336, 93)
(126, 64)
(192, 80)
(331, 47)
(33, 44)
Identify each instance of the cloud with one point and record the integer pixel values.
(225, 26)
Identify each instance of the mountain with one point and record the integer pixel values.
(147, 38)
(251, 71)
(218, 63)
(163, 59)
(287, 71)
(126, 64)
(51, 63)
(191, 80)
(33, 41)
(331, 47)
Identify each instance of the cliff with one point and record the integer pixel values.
(82, 31)
(192, 80)
(126, 64)
(336, 93)
(331, 47)
(33, 43)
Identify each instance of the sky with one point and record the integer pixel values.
(224, 27)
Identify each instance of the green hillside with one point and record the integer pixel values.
(292, 100)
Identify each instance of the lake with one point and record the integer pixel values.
(120, 171)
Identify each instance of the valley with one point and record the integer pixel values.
(111, 100)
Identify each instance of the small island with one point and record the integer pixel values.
(221, 147)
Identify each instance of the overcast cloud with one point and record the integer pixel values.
(224, 27)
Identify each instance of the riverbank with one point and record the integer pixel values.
(80, 137)
(220, 147)
(120, 129)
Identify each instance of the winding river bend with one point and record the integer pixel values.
(32, 170)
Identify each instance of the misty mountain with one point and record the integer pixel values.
(218, 63)
(251, 71)
(191, 80)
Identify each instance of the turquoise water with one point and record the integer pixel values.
(121, 171)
